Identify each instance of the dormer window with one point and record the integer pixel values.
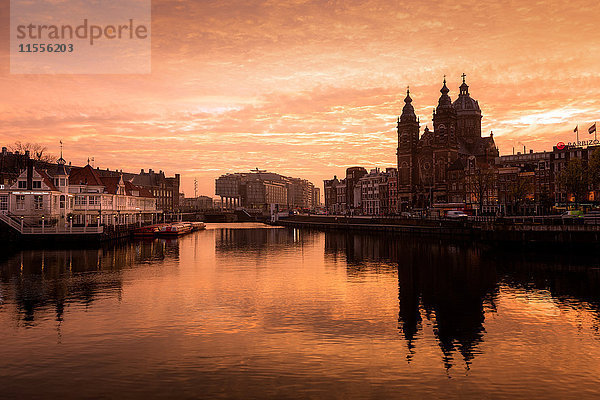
(22, 185)
(37, 184)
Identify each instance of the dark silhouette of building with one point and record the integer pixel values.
(424, 160)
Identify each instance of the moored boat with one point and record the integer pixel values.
(175, 229)
(147, 231)
(198, 226)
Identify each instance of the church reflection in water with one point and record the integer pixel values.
(454, 286)
(447, 291)
(43, 281)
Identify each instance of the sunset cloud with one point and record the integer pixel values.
(308, 88)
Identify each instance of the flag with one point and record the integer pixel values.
(592, 129)
(576, 130)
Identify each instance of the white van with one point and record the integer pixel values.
(455, 214)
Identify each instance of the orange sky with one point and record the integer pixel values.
(308, 88)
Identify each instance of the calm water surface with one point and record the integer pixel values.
(250, 311)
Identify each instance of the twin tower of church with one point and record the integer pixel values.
(425, 161)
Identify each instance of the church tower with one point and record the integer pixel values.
(468, 116)
(408, 138)
(444, 119)
(445, 145)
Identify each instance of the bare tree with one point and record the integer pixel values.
(519, 189)
(574, 179)
(594, 168)
(481, 185)
(37, 151)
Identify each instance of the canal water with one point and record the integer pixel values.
(251, 311)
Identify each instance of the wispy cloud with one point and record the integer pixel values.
(308, 87)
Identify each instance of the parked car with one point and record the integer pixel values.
(455, 214)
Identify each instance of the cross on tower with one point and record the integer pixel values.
(464, 76)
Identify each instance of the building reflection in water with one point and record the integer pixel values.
(42, 281)
(261, 242)
(455, 285)
(447, 292)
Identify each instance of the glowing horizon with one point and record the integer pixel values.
(309, 88)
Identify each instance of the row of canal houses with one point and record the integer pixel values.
(62, 196)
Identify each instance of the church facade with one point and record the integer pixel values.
(425, 161)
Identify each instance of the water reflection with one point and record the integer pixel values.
(260, 240)
(43, 281)
(456, 285)
(254, 311)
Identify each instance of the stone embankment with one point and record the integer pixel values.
(490, 230)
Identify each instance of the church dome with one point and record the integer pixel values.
(444, 101)
(408, 111)
(464, 104)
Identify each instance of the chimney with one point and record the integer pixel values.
(26, 153)
(29, 173)
(530, 151)
(142, 171)
(4, 150)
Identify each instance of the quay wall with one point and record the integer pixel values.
(9, 235)
(487, 232)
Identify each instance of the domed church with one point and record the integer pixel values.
(424, 161)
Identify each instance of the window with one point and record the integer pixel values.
(4, 203)
(62, 201)
(22, 185)
(80, 200)
(38, 202)
(37, 184)
(20, 202)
